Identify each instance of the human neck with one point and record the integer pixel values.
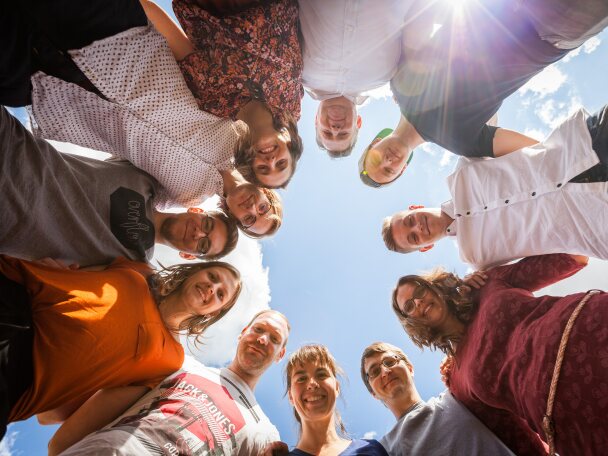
(258, 118)
(250, 378)
(401, 405)
(319, 435)
(232, 179)
(407, 134)
(171, 312)
(158, 218)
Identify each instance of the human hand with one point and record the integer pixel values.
(476, 279)
(445, 368)
(275, 449)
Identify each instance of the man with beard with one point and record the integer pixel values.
(85, 211)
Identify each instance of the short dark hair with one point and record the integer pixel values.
(232, 234)
(379, 348)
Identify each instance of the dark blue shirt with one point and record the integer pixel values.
(358, 447)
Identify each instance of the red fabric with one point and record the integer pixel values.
(505, 362)
(254, 54)
(92, 330)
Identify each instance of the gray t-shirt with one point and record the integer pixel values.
(197, 411)
(75, 209)
(441, 426)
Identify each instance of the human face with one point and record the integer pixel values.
(272, 162)
(262, 343)
(195, 233)
(416, 301)
(418, 228)
(313, 391)
(207, 292)
(386, 159)
(390, 382)
(336, 123)
(251, 208)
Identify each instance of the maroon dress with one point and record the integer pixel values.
(253, 54)
(505, 362)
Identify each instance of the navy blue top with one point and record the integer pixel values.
(358, 447)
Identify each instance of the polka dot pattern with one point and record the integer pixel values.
(149, 118)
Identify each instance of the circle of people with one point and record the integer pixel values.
(211, 108)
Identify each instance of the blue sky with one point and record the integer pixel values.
(327, 268)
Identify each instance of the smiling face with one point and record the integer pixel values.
(251, 208)
(418, 302)
(207, 291)
(390, 383)
(262, 343)
(194, 232)
(313, 391)
(386, 159)
(336, 123)
(272, 162)
(418, 228)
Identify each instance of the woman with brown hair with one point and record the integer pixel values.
(525, 365)
(313, 388)
(65, 334)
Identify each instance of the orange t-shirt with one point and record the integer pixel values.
(92, 330)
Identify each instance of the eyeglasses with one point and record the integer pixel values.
(204, 243)
(410, 305)
(376, 369)
(263, 207)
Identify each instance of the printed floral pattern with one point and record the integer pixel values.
(504, 364)
(254, 54)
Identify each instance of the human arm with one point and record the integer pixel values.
(534, 273)
(176, 38)
(102, 408)
(507, 141)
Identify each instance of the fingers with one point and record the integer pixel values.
(477, 279)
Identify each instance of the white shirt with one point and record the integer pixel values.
(522, 204)
(350, 46)
(151, 118)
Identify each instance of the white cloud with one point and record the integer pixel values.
(535, 134)
(381, 93)
(552, 113)
(591, 44)
(546, 82)
(570, 55)
(370, 435)
(592, 276)
(429, 149)
(7, 443)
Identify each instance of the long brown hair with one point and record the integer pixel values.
(457, 296)
(169, 279)
(244, 153)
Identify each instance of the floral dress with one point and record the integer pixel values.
(251, 55)
(504, 364)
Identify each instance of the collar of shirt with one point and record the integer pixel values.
(448, 208)
(320, 95)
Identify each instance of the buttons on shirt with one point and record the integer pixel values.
(533, 193)
(559, 185)
(506, 201)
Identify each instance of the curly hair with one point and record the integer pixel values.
(244, 153)
(313, 353)
(169, 279)
(457, 296)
